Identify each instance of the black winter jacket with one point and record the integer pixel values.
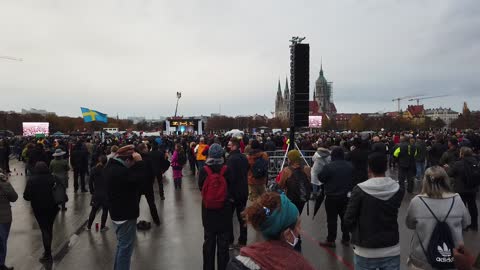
(79, 159)
(406, 156)
(457, 174)
(436, 153)
(238, 165)
(122, 190)
(359, 159)
(372, 221)
(337, 177)
(100, 186)
(39, 192)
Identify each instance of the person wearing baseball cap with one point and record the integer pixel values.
(122, 194)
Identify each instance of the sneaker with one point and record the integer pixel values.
(327, 244)
(231, 247)
(104, 229)
(162, 198)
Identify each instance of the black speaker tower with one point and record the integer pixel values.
(299, 85)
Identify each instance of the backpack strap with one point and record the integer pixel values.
(429, 209)
(450, 210)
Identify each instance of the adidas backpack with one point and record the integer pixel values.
(214, 190)
(260, 168)
(439, 251)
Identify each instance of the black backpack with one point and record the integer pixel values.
(298, 187)
(182, 158)
(260, 168)
(472, 174)
(439, 251)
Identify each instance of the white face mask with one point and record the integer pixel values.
(295, 240)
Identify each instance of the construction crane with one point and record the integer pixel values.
(402, 98)
(422, 98)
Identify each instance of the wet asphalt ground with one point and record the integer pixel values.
(175, 244)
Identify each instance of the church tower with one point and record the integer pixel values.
(323, 94)
(279, 101)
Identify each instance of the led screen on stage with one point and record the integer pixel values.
(34, 128)
(315, 121)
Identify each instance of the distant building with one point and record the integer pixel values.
(323, 95)
(322, 103)
(414, 111)
(446, 114)
(282, 102)
(343, 119)
(36, 111)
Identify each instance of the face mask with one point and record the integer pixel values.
(295, 240)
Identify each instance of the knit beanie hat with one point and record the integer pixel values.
(294, 156)
(215, 151)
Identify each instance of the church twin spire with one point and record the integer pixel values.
(286, 93)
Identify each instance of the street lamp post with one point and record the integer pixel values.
(179, 95)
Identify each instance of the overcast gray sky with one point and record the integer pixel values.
(131, 57)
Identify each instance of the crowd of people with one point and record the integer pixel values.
(348, 174)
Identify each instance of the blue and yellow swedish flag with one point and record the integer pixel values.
(91, 116)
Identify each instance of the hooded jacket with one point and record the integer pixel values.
(375, 233)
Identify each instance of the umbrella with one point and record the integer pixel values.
(318, 202)
(234, 133)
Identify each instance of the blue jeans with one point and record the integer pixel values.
(420, 169)
(200, 164)
(4, 232)
(386, 263)
(126, 235)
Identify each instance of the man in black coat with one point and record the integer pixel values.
(121, 175)
(359, 156)
(270, 145)
(238, 165)
(436, 151)
(406, 153)
(159, 165)
(79, 162)
(337, 179)
(147, 179)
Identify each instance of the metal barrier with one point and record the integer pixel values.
(276, 159)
